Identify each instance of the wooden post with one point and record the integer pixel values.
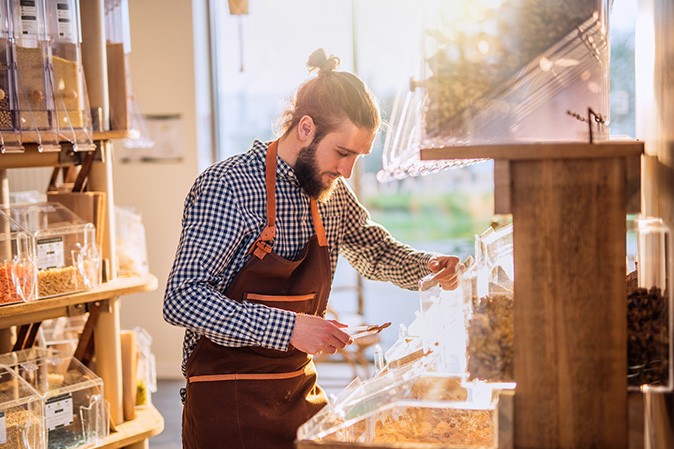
(570, 307)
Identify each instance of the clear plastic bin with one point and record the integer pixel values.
(502, 72)
(74, 408)
(649, 307)
(73, 116)
(21, 413)
(31, 56)
(490, 333)
(130, 243)
(514, 71)
(18, 267)
(62, 334)
(442, 424)
(67, 257)
(10, 131)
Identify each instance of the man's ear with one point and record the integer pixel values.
(306, 128)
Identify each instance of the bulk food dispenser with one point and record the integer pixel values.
(71, 396)
(421, 395)
(65, 247)
(18, 265)
(649, 307)
(490, 353)
(36, 104)
(499, 72)
(21, 413)
(10, 130)
(73, 116)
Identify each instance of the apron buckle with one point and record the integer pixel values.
(261, 249)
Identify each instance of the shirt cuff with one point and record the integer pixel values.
(280, 325)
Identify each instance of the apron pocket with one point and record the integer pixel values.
(294, 303)
(304, 303)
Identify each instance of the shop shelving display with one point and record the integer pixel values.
(106, 297)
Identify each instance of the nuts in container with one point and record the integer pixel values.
(66, 255)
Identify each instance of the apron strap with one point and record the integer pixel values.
(262, 245)
(318, 224)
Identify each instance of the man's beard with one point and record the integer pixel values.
(306, 169)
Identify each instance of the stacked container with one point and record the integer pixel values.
(490, 333)
(36, 105)
(503, 71)
(73, 115)
(649, 307)
(18, 265)
(408, 406)
(65, 246)
(21, 413)
(10, 130)
(71, 396)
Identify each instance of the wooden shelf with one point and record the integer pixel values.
(148, 423)
(31, 157)
(117, 134)
(42, 309)
(534, 151)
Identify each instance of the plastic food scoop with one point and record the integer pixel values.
(362, 331)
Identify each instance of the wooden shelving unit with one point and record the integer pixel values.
(148, 421)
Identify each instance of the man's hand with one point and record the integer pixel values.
(448, 269)
(315, 335)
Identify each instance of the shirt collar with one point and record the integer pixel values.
(283, 170)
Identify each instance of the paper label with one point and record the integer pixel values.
(50, 253)
(28, 11)
(64, 20)
(3, 428)
(59, 411)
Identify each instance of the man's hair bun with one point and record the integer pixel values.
(319, 60)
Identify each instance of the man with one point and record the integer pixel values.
(257, 254)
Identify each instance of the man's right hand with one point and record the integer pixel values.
(315, 335)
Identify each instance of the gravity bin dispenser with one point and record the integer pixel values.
(501, 72)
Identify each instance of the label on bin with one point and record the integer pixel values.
(28, 11)
(59, 411)
(3, 429)
(50, 253)
(65, 21)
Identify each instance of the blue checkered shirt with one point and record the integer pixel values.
(225, 211)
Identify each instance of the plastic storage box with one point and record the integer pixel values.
(21, 413)
(74, 409)
(408, 423)
(502, 72)
(18, 268)
(73, 116)
(36, 95)
(490, 328)
(649, 307)
(67, 257)
(10, 130)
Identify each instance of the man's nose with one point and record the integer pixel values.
(346, 167)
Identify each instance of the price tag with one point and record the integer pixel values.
(50, 253)
(59, 411)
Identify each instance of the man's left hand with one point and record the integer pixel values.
(448, 269)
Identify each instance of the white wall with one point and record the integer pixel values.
(162, 65)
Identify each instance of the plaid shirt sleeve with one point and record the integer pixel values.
(214, 232)
(373, 252)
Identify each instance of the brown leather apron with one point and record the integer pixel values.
(252, 397)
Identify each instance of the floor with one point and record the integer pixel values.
(333, 377)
